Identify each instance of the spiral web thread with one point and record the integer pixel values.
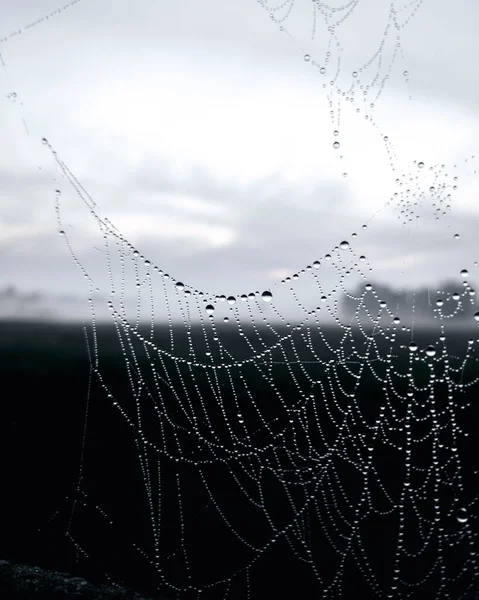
(311, 413)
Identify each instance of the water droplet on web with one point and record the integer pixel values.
(180, 286)
(355, 74)
(368, 287)
(231, 300)
(420, 165)
(455, 296)
(464, 273)
(44, 141)
(456, 236)
(267, 296)
(413, 346)
(476, 316)
(316, 264)
(430, 351)
(461, 515)
(210, 309)
(405, 73)
(61, 232)
(344, 245)
(307, 58)
(439, 302)
(336, 133)
(336, 145)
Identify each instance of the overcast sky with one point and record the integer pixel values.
(205, 137)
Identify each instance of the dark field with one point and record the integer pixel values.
(45, 373)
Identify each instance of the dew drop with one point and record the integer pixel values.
(210, 309)
(456, 236)
(307, 58)
(464, 273)
(439, 302)
(322, 70)
(461, 515)
(336, 145)
(455, 296)
(231, 300)
(369, 287)
(355, 74)
(430, 351)
(420, 165)
(180, 286)
(267, 296)
(316, 264)
(413, 346)
(61, 232)
(344, 245)
(44, 141)
(476, 316)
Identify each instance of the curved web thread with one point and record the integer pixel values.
(290, 407)
(322, 428)
(45, 17)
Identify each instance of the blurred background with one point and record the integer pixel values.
(205, 136)
(240, 149)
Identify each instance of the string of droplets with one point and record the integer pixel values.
(320, 372)
(295, 422)
(37, 21)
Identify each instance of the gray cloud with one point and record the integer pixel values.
(267, 224)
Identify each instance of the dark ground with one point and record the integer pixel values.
(45, 373)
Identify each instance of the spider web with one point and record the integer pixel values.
(322, 420)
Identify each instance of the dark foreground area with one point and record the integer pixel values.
(45, 437)
(22, 582)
